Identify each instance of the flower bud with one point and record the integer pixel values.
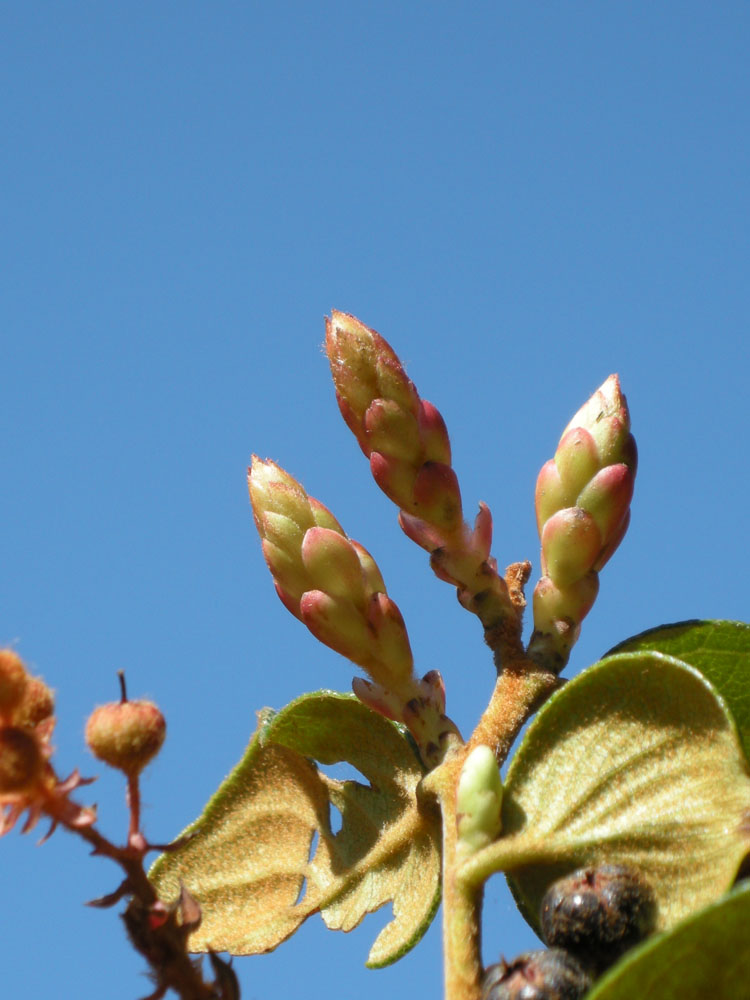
(126, 734)
(327, 580)
(479, 800)
(582, 505)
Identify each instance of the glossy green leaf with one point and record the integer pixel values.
(705, 958)
(637, 762)
(248, 861)
(719, 649)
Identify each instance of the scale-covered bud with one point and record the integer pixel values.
(126, 734)
(583, 499)
(537, 975)
(598, 913)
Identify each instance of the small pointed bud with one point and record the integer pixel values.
(396, 479)
(570, 545)
(14, 680)
(338, 623)
(437, 497)
(392, 430)
(611, 547)
(550, 495)
(333, 564)
(434, 434)
(570, 604)
(126, 734)
(605, 416)
(607, 498)
(393, 649)
(364, 368)
(478, 801)
(482, 536)
(374, 583)
(21, 760)
(577, 460)
(378, 698)
(419, 531)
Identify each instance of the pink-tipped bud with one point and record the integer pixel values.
(593, 471)
(582, 504)
(21, 760)
(333, 564)
(126, 734)
(14, 680)
(338, 623)
(393, 650)
(437, 497)
(605, 416)
(365, 368)
(570, 545)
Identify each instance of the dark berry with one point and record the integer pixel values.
(598, 913)
(537, 975)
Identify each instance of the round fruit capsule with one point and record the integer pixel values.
(598, 913)
(537, 975)
(126, 734)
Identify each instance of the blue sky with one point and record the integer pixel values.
(522, 198)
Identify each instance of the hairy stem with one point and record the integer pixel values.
(462, 901)
(520, 688)
(161, 942)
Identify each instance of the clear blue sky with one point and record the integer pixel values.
(522, 198)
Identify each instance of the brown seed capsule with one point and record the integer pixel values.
(537, 975)
(126, 734)
(38, 703)
(13, 680)
(21, 760)
(598, 913)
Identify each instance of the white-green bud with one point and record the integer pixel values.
(479, 800)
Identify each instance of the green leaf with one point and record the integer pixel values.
(705, 957)
(248, 861)
(719, 649)
(635, 762)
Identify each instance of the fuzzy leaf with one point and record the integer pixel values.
(706, 956)
(635, 762)
(248, 862)
(719, 649)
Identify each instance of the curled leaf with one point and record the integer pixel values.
(248, 863)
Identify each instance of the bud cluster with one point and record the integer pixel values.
(583, 499)
(333, 585)
(406, 441)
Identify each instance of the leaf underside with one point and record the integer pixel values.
(637, 762)
(705, 957)
(248, 862)
(719, 649)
